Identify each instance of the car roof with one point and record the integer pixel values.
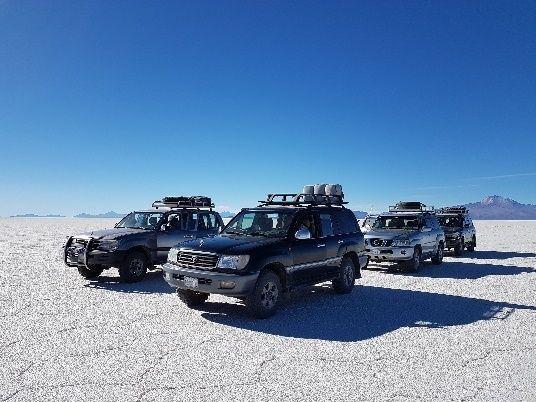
(414, 213)
(161, 210)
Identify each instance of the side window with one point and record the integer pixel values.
(326, 225)
(212, 221)
(307, 221)
(175, 222)
(346, 222)
(192, 221)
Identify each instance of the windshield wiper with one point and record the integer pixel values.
(231, 232)
(258, 234)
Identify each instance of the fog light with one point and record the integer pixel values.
(227, 285)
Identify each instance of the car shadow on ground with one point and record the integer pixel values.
(496, 255)
(152, 283)
(455, 270)
(368, 312)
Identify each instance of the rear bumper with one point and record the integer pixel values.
(379, 254)
(210, 282)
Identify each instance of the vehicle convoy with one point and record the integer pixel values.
(142, 239)
(288, 241)
(460, 232)
(408, 234)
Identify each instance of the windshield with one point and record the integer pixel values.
(140, 220)
(406, 222)
(450, 221)
(260, 223)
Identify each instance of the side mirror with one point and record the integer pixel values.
(163, 228)
(302, 234)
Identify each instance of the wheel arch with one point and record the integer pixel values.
(278, 269)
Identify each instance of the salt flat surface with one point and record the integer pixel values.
(462, 331)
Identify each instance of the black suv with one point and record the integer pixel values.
(142, 238)
(459, 229)
(288, 241)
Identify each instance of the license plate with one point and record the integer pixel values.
(191, 282)
(376, 252)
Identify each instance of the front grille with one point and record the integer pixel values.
(197, 259)
(380, 242)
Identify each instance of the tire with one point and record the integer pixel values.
(191, 298)
(266, 296)
(437, 259)
(345, 282)
(134, 267)
(90, 273)
(458, 250)
(472, 245)
(414, 264)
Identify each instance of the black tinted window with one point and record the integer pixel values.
(326, 225)
(346, 221)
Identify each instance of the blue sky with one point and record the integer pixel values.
(111, 105)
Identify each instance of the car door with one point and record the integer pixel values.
(428, 236)
(331, 233)
(170, 233)
(308, 255)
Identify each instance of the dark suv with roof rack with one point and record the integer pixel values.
(459, 229)
(142, 239)
(409, 233)
(288, 241)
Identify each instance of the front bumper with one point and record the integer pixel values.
(209, 281)
(379, 254)
(451, 242)
(77, 255)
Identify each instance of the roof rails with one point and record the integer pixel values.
(410, 206)
(196, 201)
(303, 200)
(454, 210)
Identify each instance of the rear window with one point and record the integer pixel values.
(346, 221)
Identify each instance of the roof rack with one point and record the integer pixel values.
(303, 200)
(454, 210)
(410, 206)
(184, 202)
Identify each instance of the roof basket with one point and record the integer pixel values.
(454, 210)
(196, 201)
(303, 199)
(410, 206)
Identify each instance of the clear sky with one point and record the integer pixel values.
(110, 105)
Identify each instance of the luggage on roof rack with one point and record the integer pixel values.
(302, 199)
(196, 201)
(410, 206)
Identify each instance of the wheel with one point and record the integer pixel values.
(89, 273)
(191, 298)
(471, 246)
(134, 267)
(437, 259)
(458, 249)
(265, 298)
(414, 264)
(345, 282)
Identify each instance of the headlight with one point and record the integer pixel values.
(107, 245)
(401, 242)
(172, 255)
(233, 261)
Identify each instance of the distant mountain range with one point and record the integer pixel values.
(497, 207)
(227, 214)
(110, 214)
(37, 216)
(360, 214)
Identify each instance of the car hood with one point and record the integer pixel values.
(233, 244)
(111, 234)
(390, 234)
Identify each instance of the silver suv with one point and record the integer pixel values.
(408, 234)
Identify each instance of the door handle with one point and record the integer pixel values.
(340, 241)
(320, 245)
(189, 236)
